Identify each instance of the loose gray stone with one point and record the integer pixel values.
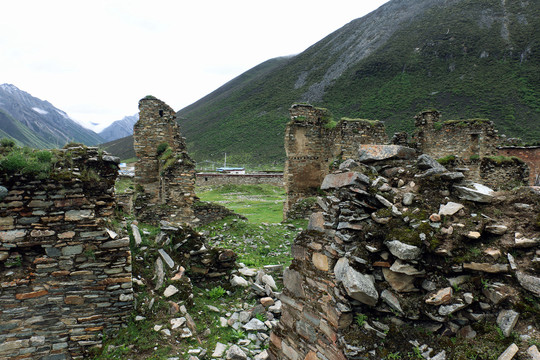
(445, 310)
(113, 159)
(219, 350)
(335, 181)
(170, 291)
(506, 320)
(235, 353)
(475, 192)
(529, 282)
(159, 273)
(509, 353)
(391, 300)
(3, 192)
(425, 162)
(136, 234)
(496, 229)
(408, 199)
(255, 325)
(239, 281)
(403, 251)
(358, 286)
(383, 201)
(450, 208)
(166, 258)
(371, 153)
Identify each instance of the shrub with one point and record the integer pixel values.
(161, 148)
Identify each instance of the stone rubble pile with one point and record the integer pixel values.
(180, 248)
(400, 248)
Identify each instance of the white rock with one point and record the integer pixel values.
(235, 353)
(239, 281)
(269, 280)
(403, 251)
(255, 324)
(358, 286)
(170, 291)
(450, 208)
(177, 322)
(136, 234)
(219, 350)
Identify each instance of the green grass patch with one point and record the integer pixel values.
(258, 203)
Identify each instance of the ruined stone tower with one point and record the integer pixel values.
(164, 169)
(313, 141)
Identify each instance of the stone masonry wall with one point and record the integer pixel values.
(313, 142)
(206, 179)
(464, 138)
(64, 278)
(407, 259)
(168, 178)
(530, 155)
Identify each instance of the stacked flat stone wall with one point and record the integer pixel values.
(464, 138)
(404, 258)
(168, 181)
(530, 155)
(63, 279)
(210, 179)
(313, 143)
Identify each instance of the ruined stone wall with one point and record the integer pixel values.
(530, 155)
(313, 141)
(404, 258)
(463, 138)
(206, 179)
(63, 279)
(168, 177)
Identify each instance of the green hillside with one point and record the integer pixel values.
(466, 58)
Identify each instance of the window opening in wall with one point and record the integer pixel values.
(161, 113)
(475, 146)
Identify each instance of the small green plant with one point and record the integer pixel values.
(485, 283)
(161, 148)
(393, 356)
(474, 157)
(446, 159)
(360, 319)
(416, 353)
(216, 292)
(90, 254)
(261, 317)
(237, 335)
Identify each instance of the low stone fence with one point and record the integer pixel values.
(210, 179)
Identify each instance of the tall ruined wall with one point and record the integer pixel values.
(168, 176)
(406, 259)
(313, 141)
(63, 279)
(530, 155)
(465, 138)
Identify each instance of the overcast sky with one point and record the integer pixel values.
(96, 59)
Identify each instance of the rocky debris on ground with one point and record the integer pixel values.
(415, 246)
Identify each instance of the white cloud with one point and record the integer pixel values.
(96, 59)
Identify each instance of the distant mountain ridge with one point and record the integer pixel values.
(37, 123)
(466, 58)
(119, 128)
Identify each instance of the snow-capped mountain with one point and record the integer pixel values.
(37, 123)
(119, 128)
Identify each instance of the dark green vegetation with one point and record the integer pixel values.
(24, 160)
(468, 59)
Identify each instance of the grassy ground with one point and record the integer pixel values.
(261, 240)
(259, 203)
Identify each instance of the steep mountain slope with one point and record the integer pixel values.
(38, 123)
(119, 128)
(467, 58)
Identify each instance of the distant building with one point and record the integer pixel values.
(232, 170)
